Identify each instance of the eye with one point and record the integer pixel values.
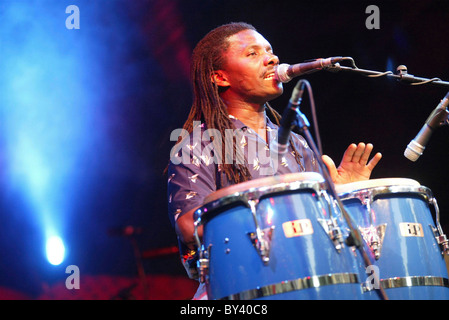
(252, 53)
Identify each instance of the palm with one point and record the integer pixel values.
(354, 165)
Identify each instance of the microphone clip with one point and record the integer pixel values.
(301, 121)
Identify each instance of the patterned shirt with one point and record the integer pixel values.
(194, 173)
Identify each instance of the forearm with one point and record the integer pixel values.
(185, 229)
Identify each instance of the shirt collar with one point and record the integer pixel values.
(240, 125)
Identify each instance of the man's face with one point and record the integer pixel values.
(249, 68)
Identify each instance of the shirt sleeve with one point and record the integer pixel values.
(188, 185)
(189, 182)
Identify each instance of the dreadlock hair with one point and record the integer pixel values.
(207, 106)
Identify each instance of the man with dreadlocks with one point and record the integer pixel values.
(233, 80)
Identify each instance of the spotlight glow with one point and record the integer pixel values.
(55, 250)
(48, 85)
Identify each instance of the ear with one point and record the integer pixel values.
(220, 79)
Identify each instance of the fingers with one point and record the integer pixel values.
(360, 154)
(330, 166)
(366, 153)
(374, 161)
(349, 153)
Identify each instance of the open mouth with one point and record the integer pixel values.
(269, 76)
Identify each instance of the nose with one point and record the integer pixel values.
(272, 59)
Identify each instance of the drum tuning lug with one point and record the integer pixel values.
(441, 239)
(438, 232)
(374, 237)
(337, 238)
(376, 250)
(261, 240)
(203, 264)
(333, 231)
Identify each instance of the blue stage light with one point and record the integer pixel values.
(48, 107)
(55, 250)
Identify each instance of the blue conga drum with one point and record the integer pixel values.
(395, 219)
(277, 237)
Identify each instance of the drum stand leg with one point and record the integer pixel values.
(203, 260)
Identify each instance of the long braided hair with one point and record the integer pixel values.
(207, 106)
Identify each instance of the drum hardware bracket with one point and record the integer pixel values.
(262, 242)
(440, 236)
(374, 235)
(203, 264)
(333, 231)
(203, 259)
(330, 225)
(261, 238)
(442, 240)
(374, 238)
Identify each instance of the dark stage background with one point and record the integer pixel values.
(86, 116)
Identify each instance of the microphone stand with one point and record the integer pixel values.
(354, 237)
(402, 75)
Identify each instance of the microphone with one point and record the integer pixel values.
(280, 145)
(285, 72)
(416, 147)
